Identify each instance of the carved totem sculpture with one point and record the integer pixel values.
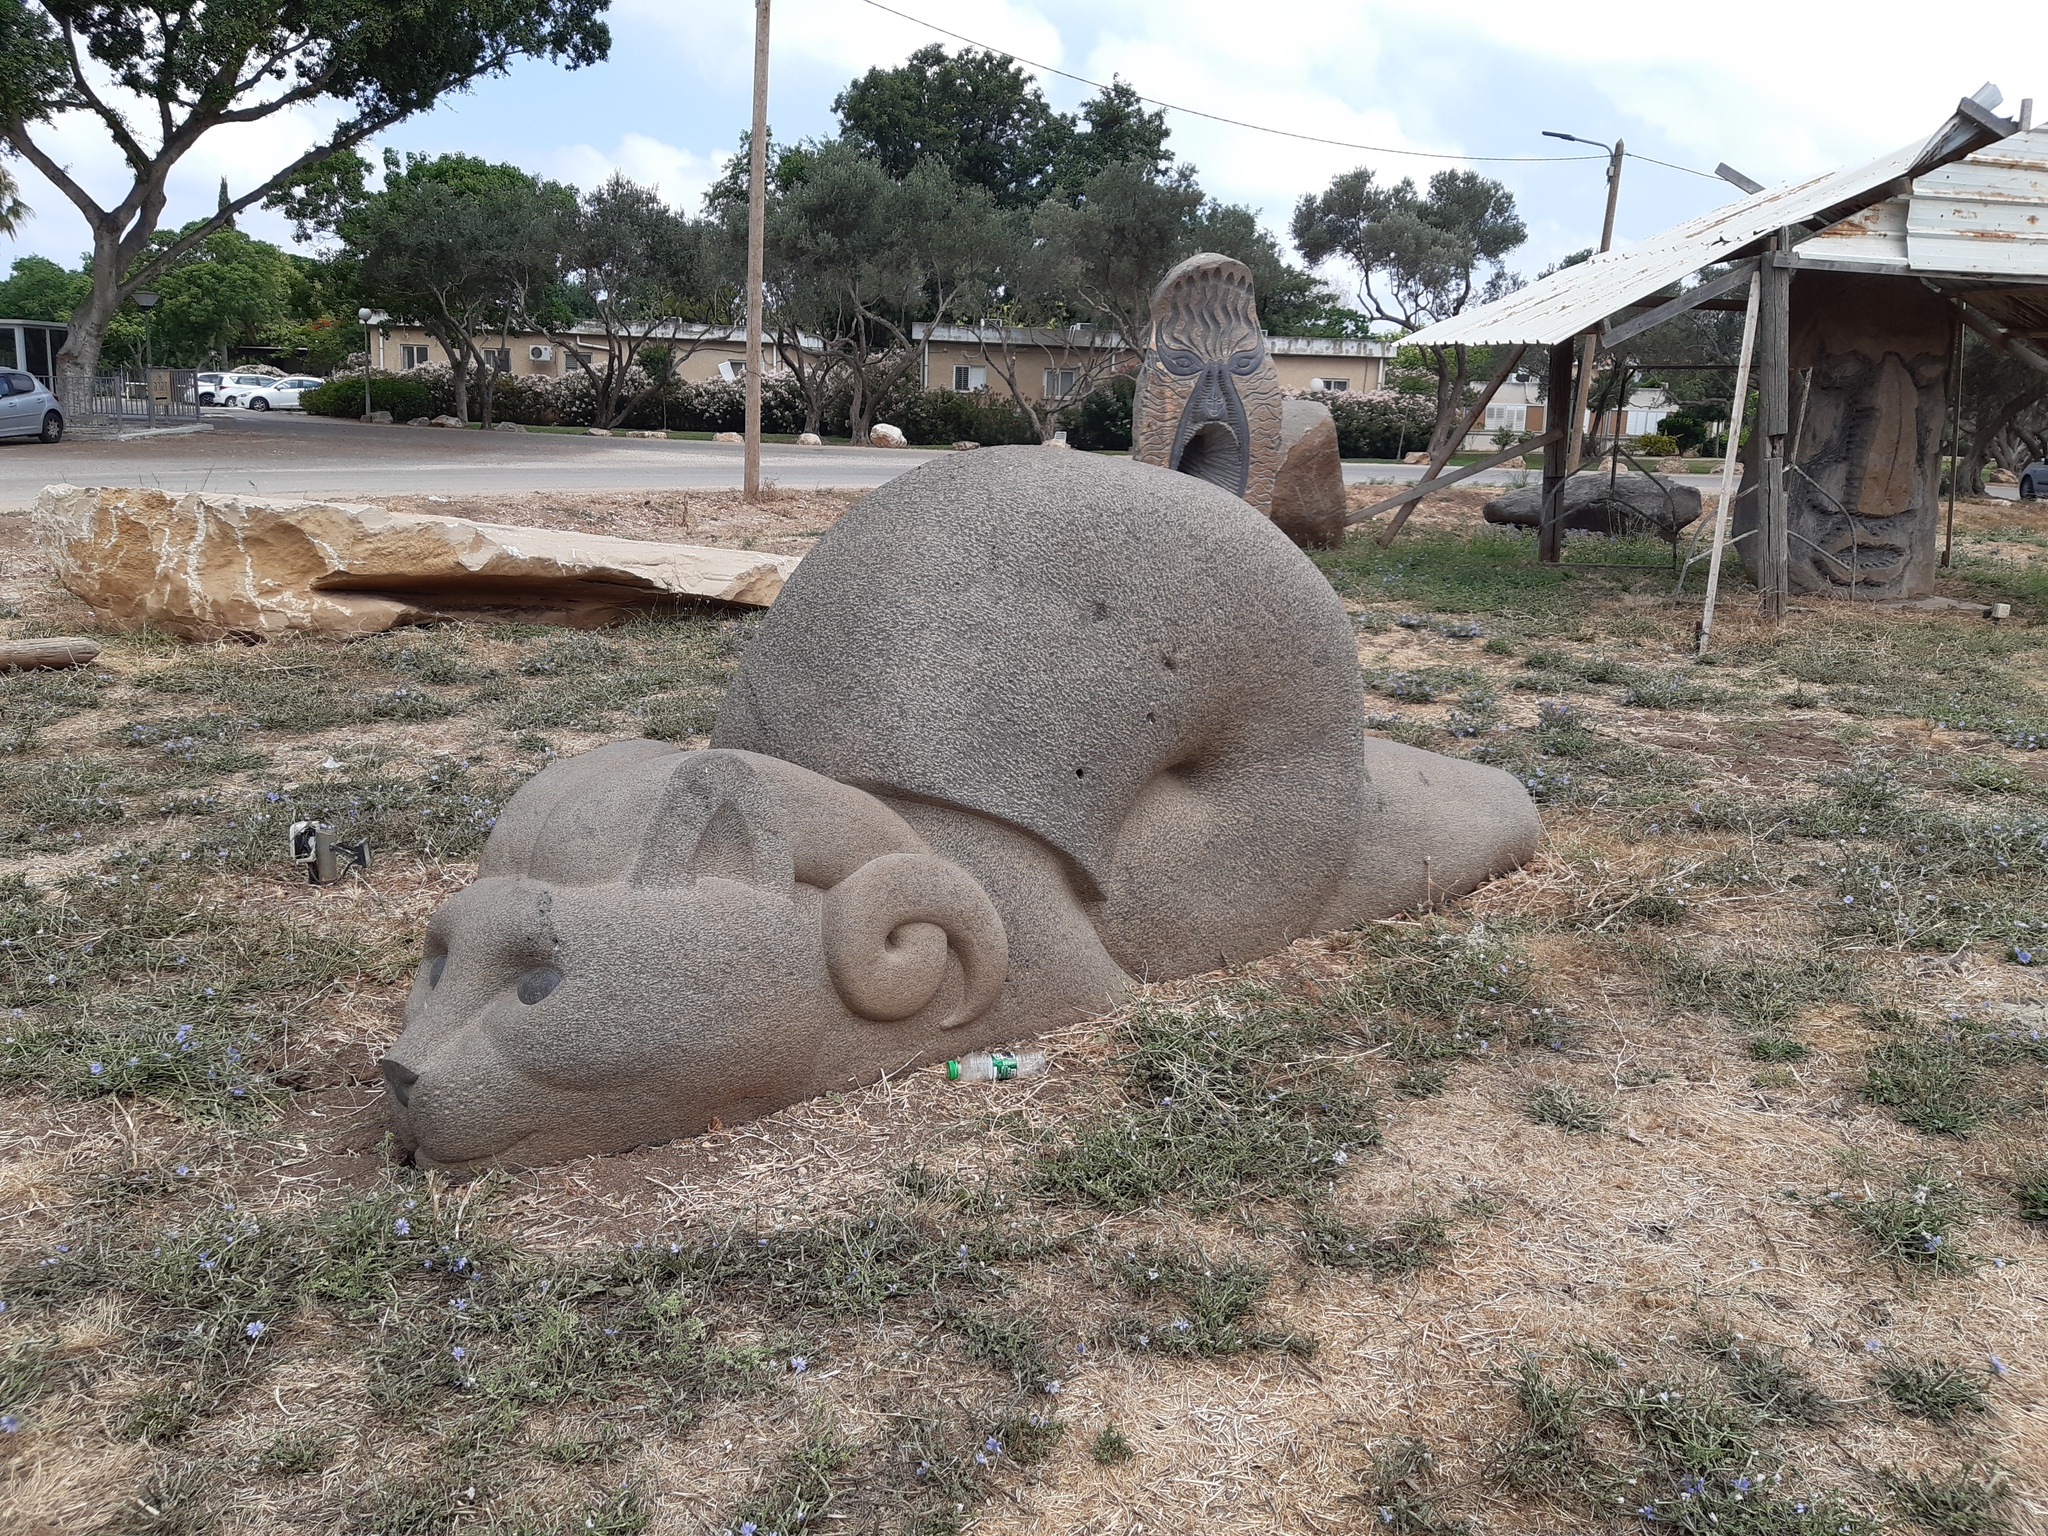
(1869, 361)
(1208, 402)
(1022, 728)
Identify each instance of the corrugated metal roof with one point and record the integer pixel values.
(1568, 302)
(1987, 213)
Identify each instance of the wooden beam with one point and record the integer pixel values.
(1727, 504)
(1423, 488)
(1549, 522)
(1998, 336)
(1614, 335)
(1472, 417)
(1774, 390)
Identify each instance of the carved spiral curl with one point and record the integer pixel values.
(889, 927)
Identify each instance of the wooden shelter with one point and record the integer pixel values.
(1859, 283)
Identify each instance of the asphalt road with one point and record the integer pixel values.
(287, 454)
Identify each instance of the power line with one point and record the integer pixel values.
(1285, 133)
(1653, 160)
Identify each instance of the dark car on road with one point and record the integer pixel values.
(2034, 482)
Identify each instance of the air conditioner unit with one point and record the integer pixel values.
(540, 354)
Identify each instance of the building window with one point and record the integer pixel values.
(1499, 417)
(1059, 382)
(498, 359)
(577, 359)
(412, 357)
(1331, 386)
(967, 380)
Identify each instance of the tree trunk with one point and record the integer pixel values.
(79, 360)
(458, 366)
(1451, 379)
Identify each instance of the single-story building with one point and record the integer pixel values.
(32, 346)
(959, 357)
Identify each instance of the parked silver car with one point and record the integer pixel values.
(28, 409)
(2034, 482)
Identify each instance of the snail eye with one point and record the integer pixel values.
(535, 985)
(435, 967)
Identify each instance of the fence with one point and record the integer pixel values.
(161, 397)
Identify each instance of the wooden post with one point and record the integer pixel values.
(1955, 444)
(1558, 456)
(757, 215)
(1727, 506)
(1774, 389)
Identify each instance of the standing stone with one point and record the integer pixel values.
(1869, 387)
(1308, 494)
(1208, 402)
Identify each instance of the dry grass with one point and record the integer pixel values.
(1688, 901)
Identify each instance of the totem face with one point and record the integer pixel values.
(1869, 373)
(1208, 401)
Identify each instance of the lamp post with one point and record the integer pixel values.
(1585, 384)
(146, 302)
(369, 317)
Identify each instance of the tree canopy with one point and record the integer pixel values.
(1420, 257)
(159, 77)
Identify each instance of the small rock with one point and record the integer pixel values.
(1518, 462)
(966, 445)
(1055, 442)
(597, 431)
(444, 421)
(2000, 477)
(882, 435)
(809, 440)
(1416, 458)
(1674, 466)
(659, 437)
(509, 426)
(727, 437)
(379, 418)
(421, 421)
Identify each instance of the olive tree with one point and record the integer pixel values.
(158, 77)
(1420, 257)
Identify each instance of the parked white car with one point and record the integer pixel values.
(269, 394)
(27, 408)
(214, 388)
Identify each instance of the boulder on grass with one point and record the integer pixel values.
(1415, 458)
(882, 435)
(809, 440)
(1632, 503)
(378, 418)
(727, 437)
(597, 431)
(1308, 493)
(210, 567)
(445, 421)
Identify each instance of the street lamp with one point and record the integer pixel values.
(146, 302)
(369, 317)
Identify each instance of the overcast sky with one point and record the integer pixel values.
(1691, 85)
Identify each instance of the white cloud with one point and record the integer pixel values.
(679, 175)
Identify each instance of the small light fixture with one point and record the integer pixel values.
(144, 299)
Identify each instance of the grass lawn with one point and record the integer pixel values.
(1691, 1177)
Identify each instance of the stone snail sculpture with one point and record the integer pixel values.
(1022, 729)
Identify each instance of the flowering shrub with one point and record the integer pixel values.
(1383, 424)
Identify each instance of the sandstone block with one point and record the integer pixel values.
(1415, 458)
(444, 421)
(378, 418)
(597, 431)
(882, 435)
(809, 440)
(1308, 494)
(207, 566)
(965, 445)
(509, 426)
(727, 437)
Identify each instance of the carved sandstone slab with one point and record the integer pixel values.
(1208, 402)
(206, 567)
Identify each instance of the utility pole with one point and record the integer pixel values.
(757, 214)
(1574, 443)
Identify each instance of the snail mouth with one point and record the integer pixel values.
(1214, 453)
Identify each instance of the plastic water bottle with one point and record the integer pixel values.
(994, 1066)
